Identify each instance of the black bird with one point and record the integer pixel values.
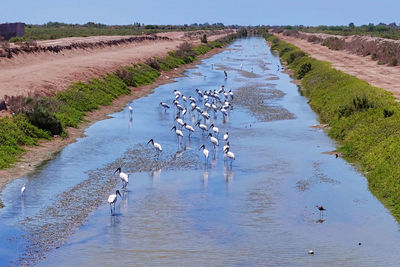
(320, 208)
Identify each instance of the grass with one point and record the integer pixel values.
(364, 120)
(42, 117)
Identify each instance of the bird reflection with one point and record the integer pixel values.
(130, 122)
(178, 154)
(205, 178)
(155, 175)
(229, 174)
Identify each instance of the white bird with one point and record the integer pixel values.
(112, 199)
(130, 109)
(184, 98)
(226, 146)
(191, 98)
(184, 112)
(156, 146)
(124, 177)
(205, 152)
(23, 189)
(229, 154)
(226, 136)
(189, 128)
(213, 140)
(179, 121)
(203, 127)
(214, 128)
(176, 92)
(224, 112)
(205, 115)
(231, 94)
(214, 107)
(164, 105)
(178, 133)
(199, 93)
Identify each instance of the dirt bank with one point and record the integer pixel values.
(49, 72)
(47, 149)
(364, 68)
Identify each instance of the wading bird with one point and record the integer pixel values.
(178, 133)
(156, 146)
(320, 208)
(203, 127)
(164, 105)
(213, 140)
(130, 110)
(179, 121)
(231, 94)
(189, 128)
(226, 136)
(229, 154)
(205, 153)
(124, 177)
(23, 189)
(112, 199)
(215, 129)
(226, 146)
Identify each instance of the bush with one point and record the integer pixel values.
(304, 69)
(43, 116)
(152, 62)
(374, 56)
(393, 62)
(295, 55)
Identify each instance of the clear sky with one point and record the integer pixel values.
(242, 12)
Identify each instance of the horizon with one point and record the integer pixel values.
(236, 12)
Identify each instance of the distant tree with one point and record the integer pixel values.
(203, 39)
(351, 25)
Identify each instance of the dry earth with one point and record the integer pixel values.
(49, 72)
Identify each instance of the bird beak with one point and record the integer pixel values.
(149, 142)
(119, 194)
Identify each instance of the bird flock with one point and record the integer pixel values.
(199, 113)
(192, 115)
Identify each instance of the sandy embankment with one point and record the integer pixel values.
(48, 72)
(364, 68)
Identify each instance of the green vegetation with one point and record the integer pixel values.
(42, 117)
(56, 30)
(364, 120)
(390, 31)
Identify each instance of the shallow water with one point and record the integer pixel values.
(177, 211)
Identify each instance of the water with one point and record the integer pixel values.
(260, 211)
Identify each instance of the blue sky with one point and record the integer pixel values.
(242, 12)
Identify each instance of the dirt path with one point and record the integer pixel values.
(364, 68)
(49, 72)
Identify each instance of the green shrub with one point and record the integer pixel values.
(393, 62)
(43, 116)
(304, 69)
